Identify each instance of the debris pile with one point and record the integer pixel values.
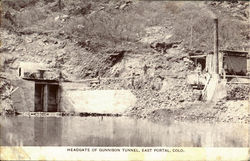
(232, 111)
(238, 92)
(170, 97)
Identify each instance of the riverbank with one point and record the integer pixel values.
(223, 111)
(181, 103)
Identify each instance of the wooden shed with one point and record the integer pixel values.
(234, 62)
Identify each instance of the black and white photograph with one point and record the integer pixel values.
(124, 73)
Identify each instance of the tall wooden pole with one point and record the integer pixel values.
(216, 44)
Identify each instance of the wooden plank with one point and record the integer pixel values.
(237, 76)
(238, 82)
(49, 83)
(58, 95)
(198, 56)
(45, 98)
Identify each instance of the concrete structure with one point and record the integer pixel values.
(23, 98)
(25, 69)
(39, 71)
(36, 96)
(37, 93)
(50, 96)
(76, 97)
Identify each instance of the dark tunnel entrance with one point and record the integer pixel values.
(46, 97)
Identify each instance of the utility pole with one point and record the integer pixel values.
(216, 44)
(191, 37)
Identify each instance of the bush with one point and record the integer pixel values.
(196, 28)
(17, 4)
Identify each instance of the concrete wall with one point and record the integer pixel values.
(65, 102)
(31, 67)
(23, 97)
(76, 98)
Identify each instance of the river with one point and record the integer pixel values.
(118, 131)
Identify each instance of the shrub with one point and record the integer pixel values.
(196, 28)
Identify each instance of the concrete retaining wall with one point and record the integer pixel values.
(75, 97)
(23, 97)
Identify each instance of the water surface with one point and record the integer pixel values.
(118, 131)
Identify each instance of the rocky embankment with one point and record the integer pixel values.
(5, 96)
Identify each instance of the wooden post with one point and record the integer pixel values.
(45, 98)
(216, 44)
(220, 63)
(58, 95)
(248, 64)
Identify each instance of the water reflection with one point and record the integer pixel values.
(119, 131)
(46, 127)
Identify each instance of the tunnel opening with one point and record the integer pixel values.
(46, 97)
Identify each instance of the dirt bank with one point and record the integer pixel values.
(157, 107)
(222, 111)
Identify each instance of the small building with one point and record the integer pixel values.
(230, 62)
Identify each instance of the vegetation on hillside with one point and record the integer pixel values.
(111, 23)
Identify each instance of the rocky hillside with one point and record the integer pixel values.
(79, 36)
(115, 38)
